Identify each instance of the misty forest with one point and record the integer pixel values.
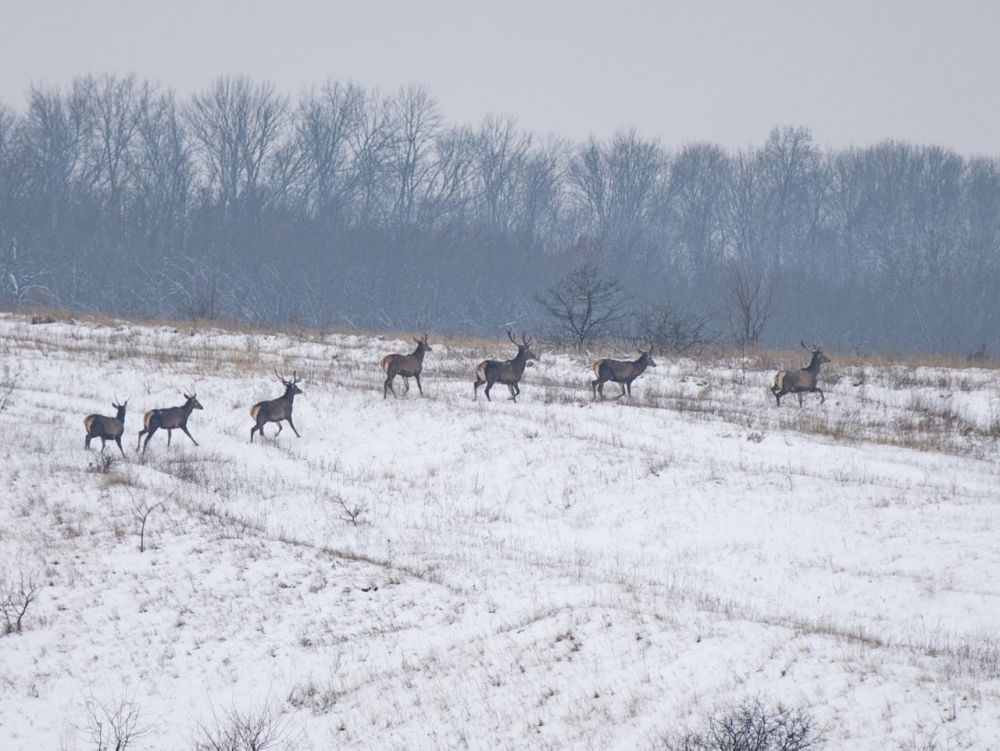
(351, 207)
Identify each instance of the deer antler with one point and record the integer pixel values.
(511, 337)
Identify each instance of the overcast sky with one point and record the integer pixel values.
(855, 71)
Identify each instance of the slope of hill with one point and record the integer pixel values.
(450, 573)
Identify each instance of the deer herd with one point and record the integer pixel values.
(489, 372)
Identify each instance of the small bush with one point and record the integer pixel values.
(253, 730)
(113, 726)
(15, 599)
(752, 727)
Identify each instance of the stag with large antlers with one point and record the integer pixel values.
(407, 366)
(276, 410)
(622, 372)
(170, 419)
(106, 428)
(802, 381)
(507, 372)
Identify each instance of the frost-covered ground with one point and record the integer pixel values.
(445, 573)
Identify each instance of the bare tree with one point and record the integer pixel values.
(415, 121)
(585, 305)
(236, 730)
(326, 120)
(752, 301)
(500, 157)
(113, 726)
(238, 126)
(15, 599)
(670, 331)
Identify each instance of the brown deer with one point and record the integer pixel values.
(507, 372)
(169, 419)
(622, 372)
(276, 410)
(106, 428)
(407, 366)
(802, 381)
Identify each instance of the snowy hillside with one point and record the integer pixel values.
(450, 573)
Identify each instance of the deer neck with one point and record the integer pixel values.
(813, 366)
(419, 352)
(289, 395)
(519, 361)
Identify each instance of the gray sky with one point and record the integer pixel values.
(853, 71)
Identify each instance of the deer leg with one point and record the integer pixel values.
(138, 444)
(292, 425)
(170, 433)
(822, 396)
(489, 385)
(86, 442)
(622, 387)
(628, 388)
(513, 393)
(475, 389)
(118, 440)
(387, 387)
(800, 398)
(149, 434)
(184, 428)
(417, 376)
(406, 385)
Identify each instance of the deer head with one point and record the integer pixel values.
(192, 400)
(818, 357)
(292, 385)
(646, 354)
(522, 346)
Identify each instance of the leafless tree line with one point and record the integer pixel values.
(363, 207)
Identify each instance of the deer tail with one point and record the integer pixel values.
(254, 410)
(385, 363)
(481, 371)
(597, 367)
(779, 381)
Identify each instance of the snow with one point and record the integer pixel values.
(556, 573)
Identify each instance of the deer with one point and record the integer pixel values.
(802, 381)
(276, 410)
(507, 372)
(169, 419)
(106, 428)
(407, 366)
(622, 372)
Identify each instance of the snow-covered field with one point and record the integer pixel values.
(450, 573)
